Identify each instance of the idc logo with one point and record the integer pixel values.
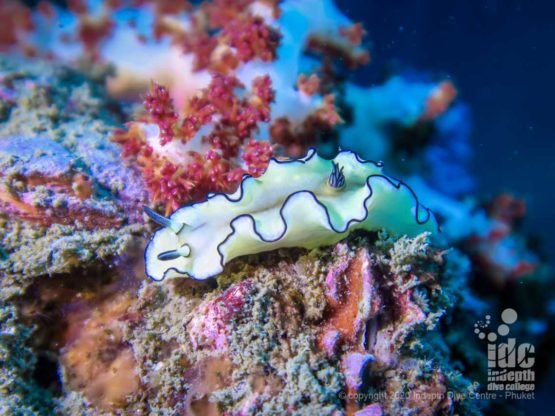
(510, 364)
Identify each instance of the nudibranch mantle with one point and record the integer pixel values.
(308, 202)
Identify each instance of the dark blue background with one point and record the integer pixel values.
(501, 56)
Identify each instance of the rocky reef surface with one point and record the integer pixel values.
(335, 330)
(66, 198)
(377, 324)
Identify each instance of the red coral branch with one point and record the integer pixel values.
(160, 106)
(229, 24)
(232, 118)
(252, 38)
(257, 155)
(353, 33)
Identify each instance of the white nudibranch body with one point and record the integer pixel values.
(309, 202)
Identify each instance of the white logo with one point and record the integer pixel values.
(510, 365)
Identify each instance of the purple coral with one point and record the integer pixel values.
(46, 182)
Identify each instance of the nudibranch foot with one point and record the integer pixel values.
(290, 205)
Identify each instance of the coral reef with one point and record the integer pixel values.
(20, 394)
(202, 141)
(414, 124)
(180, 166)
(323, 291)
(351, 312)
(502, 251)
(66, 197)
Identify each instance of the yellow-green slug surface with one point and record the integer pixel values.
(307, 202)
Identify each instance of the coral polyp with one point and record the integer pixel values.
(207, 150)
(309, 202)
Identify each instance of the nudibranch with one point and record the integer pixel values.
(308, 202)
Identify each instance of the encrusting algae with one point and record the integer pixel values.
(253, 344)
(66, 199)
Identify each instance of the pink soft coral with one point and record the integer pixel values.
(213, 162)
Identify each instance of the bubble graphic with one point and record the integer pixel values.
(509, 316)
(492, 336)
(503, 330)
(476, 331)
(482, 335)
